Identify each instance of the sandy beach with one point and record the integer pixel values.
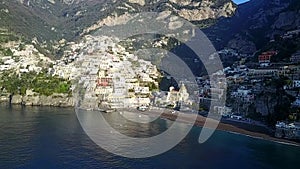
(250, 130)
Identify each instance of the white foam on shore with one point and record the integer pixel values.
(232, 132)
(261, 138)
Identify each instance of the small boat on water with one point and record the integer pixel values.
(143, 108)
(109, 111)
(104, 110)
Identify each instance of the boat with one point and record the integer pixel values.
(109, 111)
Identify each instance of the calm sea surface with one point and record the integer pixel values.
(52, 138)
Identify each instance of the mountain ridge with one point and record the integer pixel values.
(52, 20)
(254, 24)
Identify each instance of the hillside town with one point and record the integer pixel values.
(106, 77)
(113, 78)
(130, 83)
(263, 89)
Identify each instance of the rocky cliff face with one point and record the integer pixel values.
(57, 19)
(242, 44)
(287, 20)
(255, 23)
(192, 10)
(33, 99)
(206, 10)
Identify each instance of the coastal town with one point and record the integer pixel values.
(149, 84)
(113, 78)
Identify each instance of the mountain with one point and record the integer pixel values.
(246, 28)
(254, 24)
(52, 20)
(47, 19)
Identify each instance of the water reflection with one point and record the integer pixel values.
(53, 138)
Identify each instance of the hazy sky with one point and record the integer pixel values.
(240, 1)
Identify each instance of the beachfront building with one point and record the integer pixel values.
(175, 96)
(223, 110)
(288, 131)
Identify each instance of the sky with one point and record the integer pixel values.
(240, 1)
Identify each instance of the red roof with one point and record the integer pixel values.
(104, 82)
(266, 56)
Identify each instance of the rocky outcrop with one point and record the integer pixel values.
(242, 45)
(68, 2)
(205, 10)
(67, 19)
(256, 22)
(16, 99)
(33, 99)
(262, 107)
(140, 2)
(109, 21)
(191, 10)
(182, 2)
(290, 19)
(4, 99)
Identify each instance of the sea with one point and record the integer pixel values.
(52, 138)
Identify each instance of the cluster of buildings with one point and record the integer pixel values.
(110, 76)
(213, 88)
(291, 34)
(174, 98)
(243, 94)
(113, 78)
(255, 78)
(265, 58)
(23, 61)
(287, 130)
(247, 82)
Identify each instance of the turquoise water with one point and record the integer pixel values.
(53, 138)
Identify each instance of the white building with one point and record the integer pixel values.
(296, 102)
(296, 83)
(175, 96)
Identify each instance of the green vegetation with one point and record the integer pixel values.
(294, 5)
(254, 115)
(6, 52)
(285, 48)
(39, 83)
(131, 90)
(280, 98)
(7, 37)
(152, 86)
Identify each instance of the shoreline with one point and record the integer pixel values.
(258, 132)
(233, 127)
(47, 101)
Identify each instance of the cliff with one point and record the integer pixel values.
(254, 24)
(32, 99)
(52, 20)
